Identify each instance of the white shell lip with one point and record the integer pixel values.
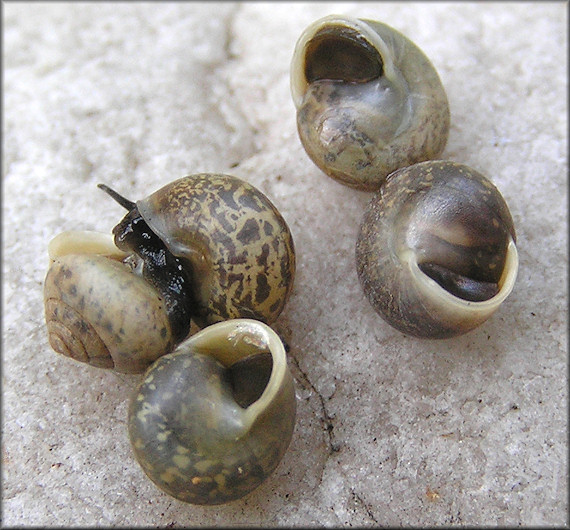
(84, 242)
(298, 82)
(457, 309)
(234, 339)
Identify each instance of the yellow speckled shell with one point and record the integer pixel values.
(239, 245)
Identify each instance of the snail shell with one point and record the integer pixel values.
(436, 253)
(211, 420)
(368, 100)
(238, 244)
(205, 247)
(87, 316)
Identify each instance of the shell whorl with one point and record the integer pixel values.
(99, 312)
(360, 124)
(239, 246)
(71, 335)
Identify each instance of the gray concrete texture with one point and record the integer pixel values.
(391, 430)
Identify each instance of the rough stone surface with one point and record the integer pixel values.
(391, 430)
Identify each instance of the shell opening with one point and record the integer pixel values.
(248, 378)
(455, 303)
(467, 263)
(252, 348)
(470, 289)
(341, 56)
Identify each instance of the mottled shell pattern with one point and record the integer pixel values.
(99, 309)
(239, 245)
(198, 436)
(436, 253)
(368, 100)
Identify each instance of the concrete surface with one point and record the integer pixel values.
(391, 430)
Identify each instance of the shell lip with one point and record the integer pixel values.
(453, 303)
(84, 242)
(359, 31)
(244, 337)
(158, 224)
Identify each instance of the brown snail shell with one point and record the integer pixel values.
(368, 100)
(211, 421)
(239, 245)
(206, 247)
(436, 252)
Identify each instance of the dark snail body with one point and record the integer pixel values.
(211, 421)
(368, 100)
(205, 247)
(436, 252)
(171, 278)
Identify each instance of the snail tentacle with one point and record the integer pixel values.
(203, 249)
(124, 202)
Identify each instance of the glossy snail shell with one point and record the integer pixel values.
(239, 245)
(436, 253)
(211, 420)
(368, 100)
(227, 251)
(87, 316)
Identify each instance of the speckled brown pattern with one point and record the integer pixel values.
(239, 245)
(359, 132)
(97, 311)
(194, 440)
(435, 214)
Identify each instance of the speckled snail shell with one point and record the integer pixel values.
(210, 421)
(204, 248)
(98, 311)
(436, 252)
(368, 100)
(239, 245)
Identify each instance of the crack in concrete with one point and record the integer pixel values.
(367, 508)
(229, 34)
(328, 426)
(326, 418)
